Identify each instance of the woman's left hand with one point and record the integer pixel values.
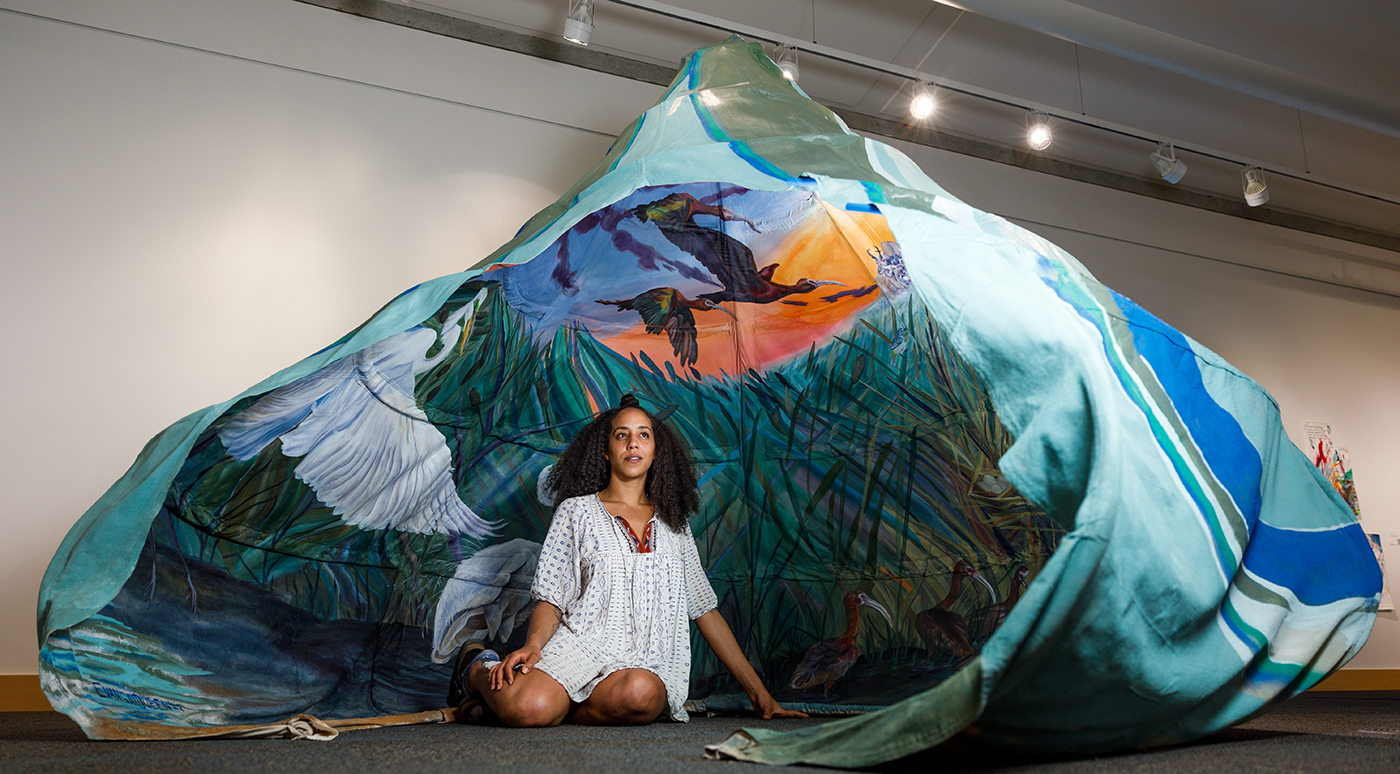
(767, 707)
(721, 640)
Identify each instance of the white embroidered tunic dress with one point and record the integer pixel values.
(622, 609)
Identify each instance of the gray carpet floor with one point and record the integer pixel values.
(1334, 733)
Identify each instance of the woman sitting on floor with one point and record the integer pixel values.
(618, 581)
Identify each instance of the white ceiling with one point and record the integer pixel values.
(1347, 46)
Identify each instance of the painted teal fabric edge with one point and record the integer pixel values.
(915, 724)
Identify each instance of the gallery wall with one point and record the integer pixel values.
(198, 193)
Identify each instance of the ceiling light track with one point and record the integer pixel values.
(887, 68)
(423, 15)
(1073, 22)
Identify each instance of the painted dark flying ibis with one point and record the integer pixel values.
(939, 626)
(728, 259)
(828, 660)
(667, 309)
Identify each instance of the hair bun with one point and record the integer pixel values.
(629, 401)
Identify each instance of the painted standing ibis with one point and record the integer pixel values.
(982, 624)
(996, 613)
(829, 660)
(939, 626)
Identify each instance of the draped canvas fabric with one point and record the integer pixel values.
(947, 478)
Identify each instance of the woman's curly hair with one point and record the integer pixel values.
(670, 485)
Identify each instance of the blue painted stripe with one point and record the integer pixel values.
(743, 151)
(874, 191)
(1319, 567)
(1306, 563)
(1053, 275)
(641, 121)
(1254, 639)
(1233, 460)
(717, 132)
(692, 70)
(1267, 673)
(1303, 562)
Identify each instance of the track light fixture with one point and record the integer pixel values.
(1256, 191)
(1168, 165)
(578, 26)
(1038, 130)
(923, 103)
(786, 58)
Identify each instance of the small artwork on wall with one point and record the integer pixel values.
(1332, 461)
(1387, 604)
(1335, 465)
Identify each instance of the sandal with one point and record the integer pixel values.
(459, 694)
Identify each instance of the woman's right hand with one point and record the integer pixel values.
(503, 673)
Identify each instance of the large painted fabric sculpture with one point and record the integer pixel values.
(908, 416)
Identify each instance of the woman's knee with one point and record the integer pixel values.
(531, 709)
(641, 696)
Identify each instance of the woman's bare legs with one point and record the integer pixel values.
(533, 699)
(626, 697)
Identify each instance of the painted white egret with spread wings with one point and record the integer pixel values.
(487, 598)
(367, 449)
(489, 594)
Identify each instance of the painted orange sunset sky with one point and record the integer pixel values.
(830, 244)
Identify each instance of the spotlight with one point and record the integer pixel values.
(578, 26)
(786, 58)
(923, 103)
(1038, 130)
(1256, 191)
(1168, 165)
